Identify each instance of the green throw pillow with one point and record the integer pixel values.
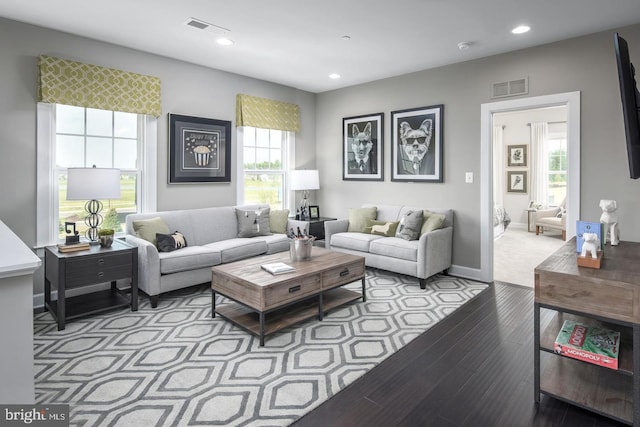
(431, 221)
(148, 228)
(381, 228)
(410, 225)
(278, 220)
(253, 223)
(358, 218)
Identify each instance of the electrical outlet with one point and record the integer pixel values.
(468, 177)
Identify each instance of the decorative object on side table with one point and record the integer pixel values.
(304, 180)
(93, 184)
(106, 237)
(609, 220)
(314, 212)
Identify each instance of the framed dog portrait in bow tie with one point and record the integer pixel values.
(416, 151)
(362, 149)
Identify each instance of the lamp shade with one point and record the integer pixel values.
(93, 183)
(305, 180)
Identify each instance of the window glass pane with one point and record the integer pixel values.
(262, 137)
(264, 188)
(125, 125)
(99, 122)
(69, 119)
(69, 151)
(276, 138)
(275, 159)
(99, 152)
(249, 158)
(125, 153)
(249, 137)
(262, 158)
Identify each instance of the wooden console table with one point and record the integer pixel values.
(609, 296)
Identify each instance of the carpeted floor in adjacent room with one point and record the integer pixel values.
(176, 366)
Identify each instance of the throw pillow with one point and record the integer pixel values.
(170, 242)
(431, 221)
(148, 228)
(278, 220)
(410, 225)
(381, 228)
(358, 218)
(253, 223)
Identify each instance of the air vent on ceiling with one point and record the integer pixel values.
(202, 25)
(510, 88)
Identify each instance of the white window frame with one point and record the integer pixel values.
(288, 164)
(47, 173)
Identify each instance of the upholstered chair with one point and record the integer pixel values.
(552, 218)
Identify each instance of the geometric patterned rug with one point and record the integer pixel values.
(176, 366)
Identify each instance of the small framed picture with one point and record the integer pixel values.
(314, 212)
(517, 155)
(517, 182)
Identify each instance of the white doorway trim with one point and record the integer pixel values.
(572, 102)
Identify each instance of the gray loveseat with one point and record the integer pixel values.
(422, 258)
(211, 236)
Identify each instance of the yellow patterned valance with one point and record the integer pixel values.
(266, 113)
(84, 85)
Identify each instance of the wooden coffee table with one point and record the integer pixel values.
(314, 288)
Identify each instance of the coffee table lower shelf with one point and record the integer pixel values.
(285, 316)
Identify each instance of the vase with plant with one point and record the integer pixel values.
(106, 237)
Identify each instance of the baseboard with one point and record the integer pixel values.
(466, 272)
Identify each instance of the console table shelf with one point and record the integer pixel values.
(607, 297)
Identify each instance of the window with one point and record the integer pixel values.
(264, 165)
(70, 136)
(556, 149)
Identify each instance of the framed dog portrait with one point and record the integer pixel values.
(517, 182)
(362, 139)
(416, 152)
(516, 155)
(199, 149)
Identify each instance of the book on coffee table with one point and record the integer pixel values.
(588, 343)
(277, 268)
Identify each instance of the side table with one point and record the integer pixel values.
(71, 270)
(530, 213)
(316, 227)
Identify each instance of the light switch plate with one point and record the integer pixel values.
(468, 177)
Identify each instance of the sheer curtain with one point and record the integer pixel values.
(539, 167)
(498, 165)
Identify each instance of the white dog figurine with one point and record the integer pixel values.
(591, 244)
(609, 218)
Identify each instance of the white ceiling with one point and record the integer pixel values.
(299, 43)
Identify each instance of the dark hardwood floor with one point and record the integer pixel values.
(474, 368)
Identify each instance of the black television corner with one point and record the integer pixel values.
(630, 104)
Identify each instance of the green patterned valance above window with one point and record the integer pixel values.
(84, 85)
(266, 113)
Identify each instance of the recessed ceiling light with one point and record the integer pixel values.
(346, 38)
(521, 29)
(224, 41)
(464, 45)
(334, 76)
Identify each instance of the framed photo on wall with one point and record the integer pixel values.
(199, 149)
(516, 155)
(417, 143)
(517, 182)
(362, 147)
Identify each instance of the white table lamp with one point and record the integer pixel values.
(305, 180)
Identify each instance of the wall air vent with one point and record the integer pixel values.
(199, 24)
(510, 88)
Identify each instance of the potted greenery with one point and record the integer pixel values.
(106, 237)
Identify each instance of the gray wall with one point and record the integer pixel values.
(186, 89)
(585, 64)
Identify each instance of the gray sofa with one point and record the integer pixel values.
(422, 258)
(211, 235)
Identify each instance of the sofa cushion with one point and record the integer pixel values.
(148, 228)
(410, 225)
(278, 220)
(275, 242)
(239, 248)
(170, 242)
(395, 247)
(354, 241)
(189, 258)
(381, 228)
(358, 218)
(253, 222)
(431, 221)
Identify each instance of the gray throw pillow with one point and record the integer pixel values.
(253, 223)
(410, 225)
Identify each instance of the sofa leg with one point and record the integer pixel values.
(445, 272)
(154, 300)
(538, 230)
(564, 235)
(423, 283)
